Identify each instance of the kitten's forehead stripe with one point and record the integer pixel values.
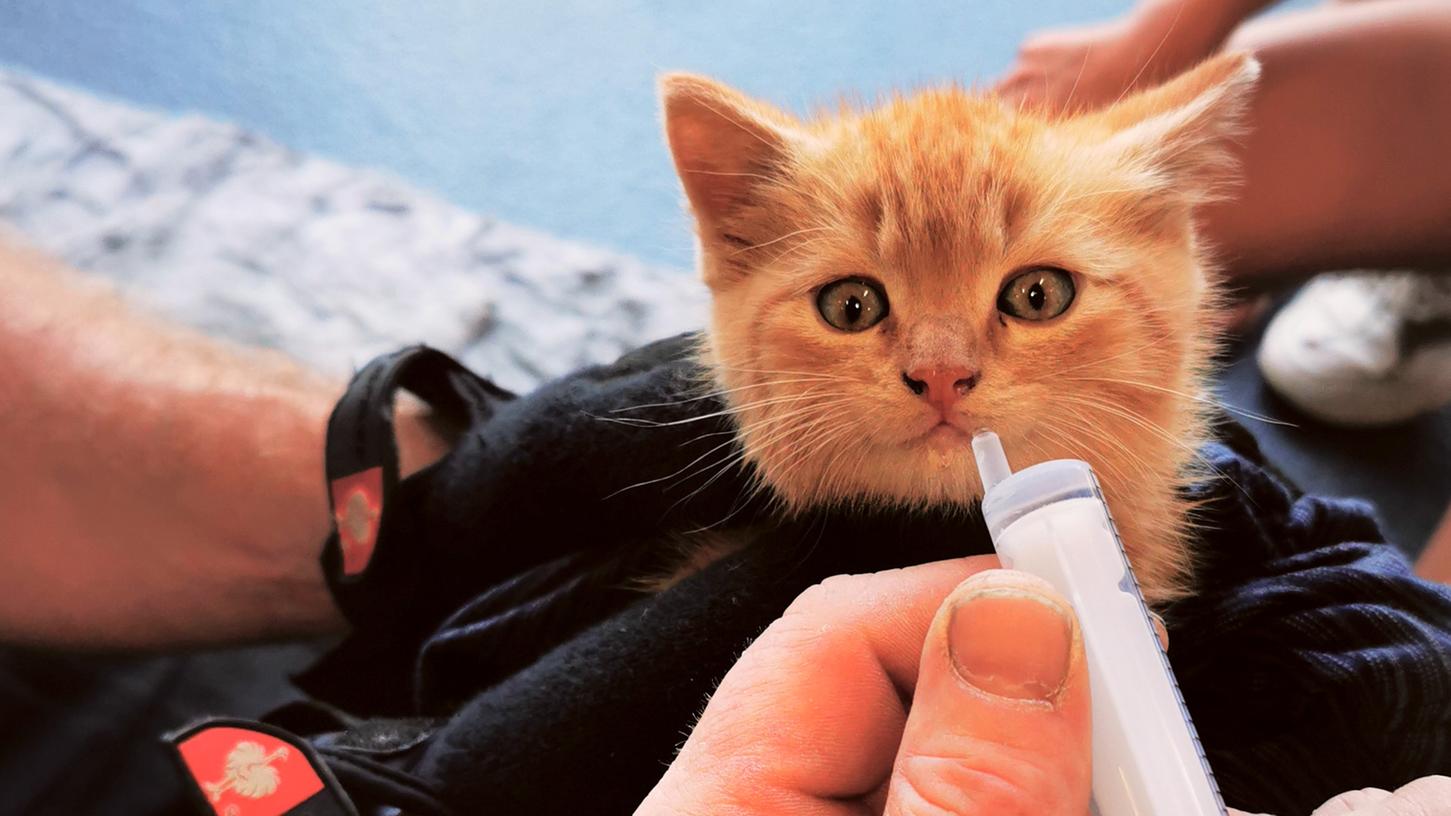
(1013, 210)
(870, 210)
(934, 179)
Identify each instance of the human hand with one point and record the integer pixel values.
(1427, 796)
(1087, 67)
(873, 694)
(851, 703)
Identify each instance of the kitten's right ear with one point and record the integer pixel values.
(1180, 132)
(725, 146)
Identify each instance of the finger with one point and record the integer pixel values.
(1427, 796)
(1000, 719)
(1021, 88)
(1352, 802)
(1006, 85)
(813, 709)
(1160, 629)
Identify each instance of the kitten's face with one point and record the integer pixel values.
(887, 283)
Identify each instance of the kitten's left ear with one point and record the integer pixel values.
(724, 145)
(1179, 132)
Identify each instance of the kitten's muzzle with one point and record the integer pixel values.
(941, 386)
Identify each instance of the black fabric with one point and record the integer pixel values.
(533, 503)
(1312, 660)
(360, 437)
(78, 732)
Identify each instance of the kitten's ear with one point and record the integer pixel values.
(724, 145)
(1179, 132)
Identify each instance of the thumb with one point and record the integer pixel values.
(1000, 720)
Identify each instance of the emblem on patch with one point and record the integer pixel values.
(357, 510)
(249, 772)
(250, 769)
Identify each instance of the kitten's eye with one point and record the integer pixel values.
(852, 304)
(1042, 293)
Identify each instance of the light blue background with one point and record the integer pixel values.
(540, 113)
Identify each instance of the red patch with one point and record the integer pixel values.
(357, 508)
(248, 773)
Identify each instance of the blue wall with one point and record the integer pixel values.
(541, 113)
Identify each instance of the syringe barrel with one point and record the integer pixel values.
(1051, 520)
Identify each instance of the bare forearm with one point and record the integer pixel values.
(1239, 10)
(160, 488)
(1225, 13)
(1345, 163)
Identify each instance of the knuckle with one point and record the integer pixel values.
(790, 635)
(821, 598)
(910, 799)
(1354, 800)
(985, 782)
(805, 632)
(1036, 41)
(919, 789)
(1040, 43)
(1427, 796)
(820, 629)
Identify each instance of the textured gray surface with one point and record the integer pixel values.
(235, 234)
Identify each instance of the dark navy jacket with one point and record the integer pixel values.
(500, 663)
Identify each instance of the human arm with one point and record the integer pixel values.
(1343, 162)
(1089, 66)
(1343, 158)
(160, 488)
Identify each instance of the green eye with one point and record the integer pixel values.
(1041, 293)
(852, 304)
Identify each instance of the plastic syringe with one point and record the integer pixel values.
(1051, 520)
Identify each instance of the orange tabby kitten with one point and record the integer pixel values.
(886, 282)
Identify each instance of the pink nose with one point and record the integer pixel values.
(942, 385)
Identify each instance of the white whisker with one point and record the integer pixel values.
(1205, 399)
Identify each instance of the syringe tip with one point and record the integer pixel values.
(992, 463)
